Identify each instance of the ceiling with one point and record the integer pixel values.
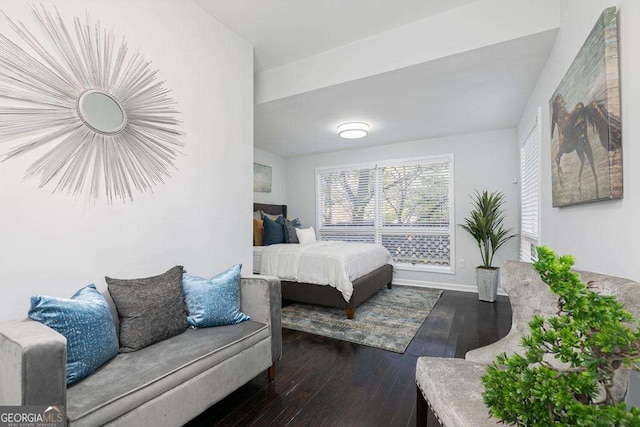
(283, 31)
(483, 89)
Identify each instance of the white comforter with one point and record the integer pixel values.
(336, 264)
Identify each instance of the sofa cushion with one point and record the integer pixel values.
(150, 309)
(454, 389)
(86, 322)
(132, 379)
(215, 301)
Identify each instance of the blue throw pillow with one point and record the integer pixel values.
(214, 302)
(282, 221)
(85, 321)
(273, 231)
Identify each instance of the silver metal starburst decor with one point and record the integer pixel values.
(106, 119)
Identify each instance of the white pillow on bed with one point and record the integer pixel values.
(306, 235)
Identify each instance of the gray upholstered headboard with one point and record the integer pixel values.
(271, 209)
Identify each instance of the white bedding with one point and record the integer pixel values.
(335, 264)
(257, 258)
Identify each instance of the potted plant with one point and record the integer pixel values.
(568, 374)
(485, 224)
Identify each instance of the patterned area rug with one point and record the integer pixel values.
(388, 320)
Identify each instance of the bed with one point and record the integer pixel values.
(369, 279)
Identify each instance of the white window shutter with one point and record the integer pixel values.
(346, 205)
(407, 206)
(416, 217)
(530, 196)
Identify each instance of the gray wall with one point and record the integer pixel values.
(487, 160)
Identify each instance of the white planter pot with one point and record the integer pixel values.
(487, 280)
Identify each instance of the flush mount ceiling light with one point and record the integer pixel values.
(353, 130)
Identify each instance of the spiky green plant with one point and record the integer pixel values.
(592, 336)
(485, 224)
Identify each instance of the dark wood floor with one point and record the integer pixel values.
(326, 382)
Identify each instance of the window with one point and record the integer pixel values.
(407, 206)
(530, 196)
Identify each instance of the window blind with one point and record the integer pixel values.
(346, 205)
(530, 197)
(416, 195)
(404, 205)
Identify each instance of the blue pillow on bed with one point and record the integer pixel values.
(214, 302)
(274, 231)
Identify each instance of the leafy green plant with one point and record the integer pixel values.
(485, 224)
(591, 337)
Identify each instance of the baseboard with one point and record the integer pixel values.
(440, 285)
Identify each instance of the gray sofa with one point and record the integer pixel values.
(165, 384)
(450, 389)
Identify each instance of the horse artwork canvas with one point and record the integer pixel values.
(586, 132)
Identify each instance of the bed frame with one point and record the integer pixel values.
(309, 293)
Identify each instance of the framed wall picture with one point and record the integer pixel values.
(261, 178)
(586, 133)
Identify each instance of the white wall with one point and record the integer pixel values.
(483, 161)
(51, 246)
(603, 235)
(278, 195)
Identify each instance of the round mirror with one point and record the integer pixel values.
(101, 112)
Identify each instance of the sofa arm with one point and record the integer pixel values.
(33, 368)
(261, 299)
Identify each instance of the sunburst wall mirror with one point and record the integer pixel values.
(107, 121)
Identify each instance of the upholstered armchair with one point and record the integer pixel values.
(450, 389)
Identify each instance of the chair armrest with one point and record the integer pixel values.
(34, 363)
(487, 354)
(261, 299)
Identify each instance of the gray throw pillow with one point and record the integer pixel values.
(150, 309)
(291, 232)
